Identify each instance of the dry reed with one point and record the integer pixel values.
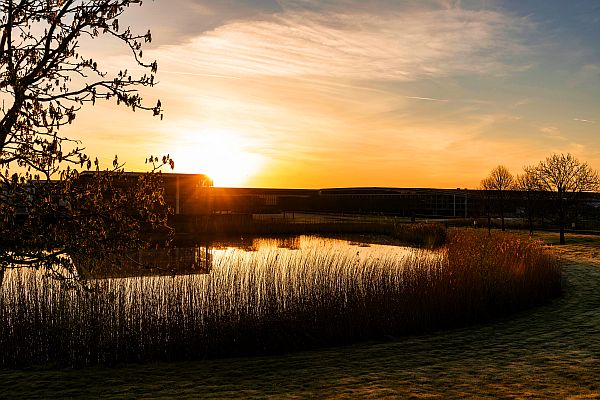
(268, 303)
(420, 234)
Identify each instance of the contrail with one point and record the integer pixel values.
(426, 98)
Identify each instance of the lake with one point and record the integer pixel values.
(206, 257)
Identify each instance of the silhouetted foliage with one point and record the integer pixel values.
(527, 183)
(566, 177)
(499, 181)
(50, 215)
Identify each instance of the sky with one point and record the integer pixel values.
(340, 93)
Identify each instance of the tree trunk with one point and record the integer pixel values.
(488, 211)
(502, 210)
(561, 217)
(562, 234)
(529, 213)
(530, 218)
(561, 226)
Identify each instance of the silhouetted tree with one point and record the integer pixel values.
(527, 182)
(500, 180)
(566, 177)
(487, 202)
(50, 216)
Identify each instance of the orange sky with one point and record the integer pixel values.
(344, 93)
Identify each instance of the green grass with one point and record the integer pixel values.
(271, 304)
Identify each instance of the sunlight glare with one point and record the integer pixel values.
(223, 155)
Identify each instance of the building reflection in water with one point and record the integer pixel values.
(190, 258)
(153, 262)
(179, 260)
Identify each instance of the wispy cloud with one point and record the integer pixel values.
(426, 98)
(588, 121)
(552, 132)
(162, 71)
(400, 46)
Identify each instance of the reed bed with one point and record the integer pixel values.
(420, 234)
(268, 302)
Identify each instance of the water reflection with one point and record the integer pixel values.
(152, 262)
(202, 258)
(257, 243)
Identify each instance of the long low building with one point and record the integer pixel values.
(193, 194)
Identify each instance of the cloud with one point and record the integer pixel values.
(588, 121)
(402, 46)
(552, 132)
(426, 98)
(177, 21)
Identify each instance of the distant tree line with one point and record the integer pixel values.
(562, 178)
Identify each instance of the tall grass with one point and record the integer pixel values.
(270, 303)
(420, 234)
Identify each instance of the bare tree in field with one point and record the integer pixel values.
(527, 182)
(565, 176)
(487, 201)
(500, 180)
(50, 216)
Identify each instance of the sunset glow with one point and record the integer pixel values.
(220, 154)
(297, 93)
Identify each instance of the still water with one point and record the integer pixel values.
(206, 257)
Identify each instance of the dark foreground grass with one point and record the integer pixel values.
(270, 304)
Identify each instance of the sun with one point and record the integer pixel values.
(223, 155)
